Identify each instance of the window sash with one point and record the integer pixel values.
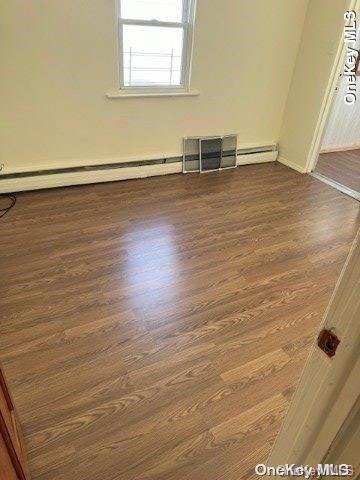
(185, 25)
(185, 15)
(153, 23)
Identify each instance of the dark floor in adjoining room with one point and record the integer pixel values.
(157, 328)
(343, 167)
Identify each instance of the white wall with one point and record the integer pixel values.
(343, 127)
(58, 60)
(323, 29)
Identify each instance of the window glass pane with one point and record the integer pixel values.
(152, 55)
(163, 10)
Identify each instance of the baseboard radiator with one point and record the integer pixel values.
(61, 177)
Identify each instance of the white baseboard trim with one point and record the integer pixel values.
(340, 148)
(53, 180)
(262, 157)
(290, 164)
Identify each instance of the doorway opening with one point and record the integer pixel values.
(338, 162)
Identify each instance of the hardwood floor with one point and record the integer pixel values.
(156, 329)
(343, 167)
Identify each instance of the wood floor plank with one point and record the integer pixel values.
(343, 167)
(255, 370)
(156, 328)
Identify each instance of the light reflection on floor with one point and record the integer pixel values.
(152, 262)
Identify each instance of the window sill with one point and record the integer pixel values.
(132, 94)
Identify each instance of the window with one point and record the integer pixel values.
(155, 40)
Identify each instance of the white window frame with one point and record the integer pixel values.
(187, 24)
